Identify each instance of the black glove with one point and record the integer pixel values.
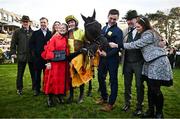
(84, 50)
(73, 55)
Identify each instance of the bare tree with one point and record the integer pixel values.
(168, 24)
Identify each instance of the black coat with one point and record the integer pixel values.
(20, 44)
(37, 43)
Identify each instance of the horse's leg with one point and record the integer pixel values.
(89, 93)
(81, 96)
(90, 89)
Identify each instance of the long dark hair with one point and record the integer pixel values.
(144, 22)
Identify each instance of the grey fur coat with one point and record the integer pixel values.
(156, 64)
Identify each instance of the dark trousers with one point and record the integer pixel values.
(111, 67)
(129, 70)
(155, 96)
(38, 79)
(20, 73)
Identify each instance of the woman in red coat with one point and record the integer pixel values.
(56, 75)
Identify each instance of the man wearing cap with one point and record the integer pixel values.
(132, 61)
(80, 72)
(37, 42)
(20, 50)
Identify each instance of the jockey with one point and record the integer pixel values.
(80, 69)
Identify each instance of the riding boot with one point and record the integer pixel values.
(90, 89)
(150, 112)
(159, 105)
(81, 96)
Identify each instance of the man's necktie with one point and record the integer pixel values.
(130, 35)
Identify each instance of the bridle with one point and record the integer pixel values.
(95, 40)
(98, 37)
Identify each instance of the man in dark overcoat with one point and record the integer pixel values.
(38, 41)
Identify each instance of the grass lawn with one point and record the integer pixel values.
(14, 106)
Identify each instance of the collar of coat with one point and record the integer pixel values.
(115, 25)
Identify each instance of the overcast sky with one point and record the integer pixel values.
(59, 9)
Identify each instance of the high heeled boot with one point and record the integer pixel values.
(150, 112)
(50, 100)
(159, 105)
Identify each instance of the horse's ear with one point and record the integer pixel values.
(83, 17)
(94, 14)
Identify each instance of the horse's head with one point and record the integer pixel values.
(89, 19)
(92, 27)
(93, 32)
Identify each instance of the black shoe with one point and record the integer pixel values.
(137, 112)
(19, 92)
(148, 114)
(36, 93)
(126, 108)
(159, 116)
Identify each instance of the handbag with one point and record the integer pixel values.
(59, 55)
